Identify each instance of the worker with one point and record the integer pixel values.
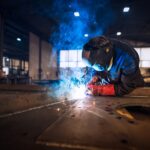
(115, 65)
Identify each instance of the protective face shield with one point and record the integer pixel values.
(102, 58)
(97, 53)
(98, 67)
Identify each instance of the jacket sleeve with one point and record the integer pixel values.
(128, 83)
(130, 76)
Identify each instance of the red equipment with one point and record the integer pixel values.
(93, 89)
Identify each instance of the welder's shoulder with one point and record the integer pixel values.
(124, 46)
(119, 43)
(126, 61)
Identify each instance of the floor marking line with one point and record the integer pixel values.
(27, 110)
(71, 146)
(137, 96)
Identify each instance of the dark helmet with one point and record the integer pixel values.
(98, 51)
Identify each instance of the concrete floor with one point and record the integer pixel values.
(89, 123)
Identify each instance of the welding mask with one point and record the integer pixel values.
(98, 53)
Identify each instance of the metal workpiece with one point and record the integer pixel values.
(84, 123)
(100, 123)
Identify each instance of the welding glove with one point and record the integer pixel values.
(93, 89)
(94, 80)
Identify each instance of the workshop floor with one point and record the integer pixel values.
(101, 122)
(89, 123)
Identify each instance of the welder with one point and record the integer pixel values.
(114, 65)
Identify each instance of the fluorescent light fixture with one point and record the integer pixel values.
(18, 39)
(76, 14)
(118, 33)
(86, 35)
(126, 9)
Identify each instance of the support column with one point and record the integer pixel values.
(20, 64)
(24, 65)
(40, 59)
(34, 56)
(1, 40)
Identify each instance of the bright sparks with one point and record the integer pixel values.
(78, 92)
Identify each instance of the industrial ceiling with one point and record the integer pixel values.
(100, 16)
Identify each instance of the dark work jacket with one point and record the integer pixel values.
(125, 72)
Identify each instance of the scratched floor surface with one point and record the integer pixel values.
(102, 123)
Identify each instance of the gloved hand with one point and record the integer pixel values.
(94, 80)
(93, 89)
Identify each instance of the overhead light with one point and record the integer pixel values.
(76, 14)
(18, 39)
(118, 33)
(86, 35)
(126, 9)
(7, 59)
